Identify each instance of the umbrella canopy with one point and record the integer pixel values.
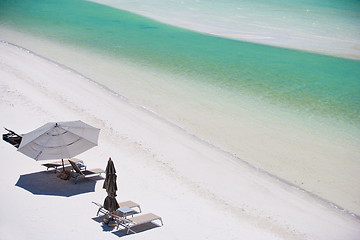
(110, 185)
(59, 140)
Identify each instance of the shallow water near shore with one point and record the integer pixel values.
(326, 27)
(215, 88)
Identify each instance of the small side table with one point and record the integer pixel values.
(125, 211)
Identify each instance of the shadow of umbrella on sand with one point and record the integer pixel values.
(44, 183)
(110, 185)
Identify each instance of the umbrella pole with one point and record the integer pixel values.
(62, 161)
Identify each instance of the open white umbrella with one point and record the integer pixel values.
(59, 140)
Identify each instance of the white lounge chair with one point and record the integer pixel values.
(129, 204)
(84, 173)
(129, 223)
(58, 164)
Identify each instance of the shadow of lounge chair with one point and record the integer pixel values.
(129, 204)
(129, 223)
(84, 173)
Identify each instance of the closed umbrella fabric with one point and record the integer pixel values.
(111, 204)
(110, 185)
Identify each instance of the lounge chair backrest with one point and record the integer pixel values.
(75, 167)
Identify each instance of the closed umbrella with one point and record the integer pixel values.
(59, 140)
(110, 185)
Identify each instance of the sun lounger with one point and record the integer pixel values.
(129, 204)
(12, 138)
(129, 223)
(58, 164)
(84, 173)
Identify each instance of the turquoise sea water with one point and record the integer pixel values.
(310, 83)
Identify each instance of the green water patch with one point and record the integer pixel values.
(310, 83)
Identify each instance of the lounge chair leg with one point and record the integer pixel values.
(130, 230)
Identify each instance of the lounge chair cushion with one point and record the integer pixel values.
(129, 223)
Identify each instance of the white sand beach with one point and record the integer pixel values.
(198, 190)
